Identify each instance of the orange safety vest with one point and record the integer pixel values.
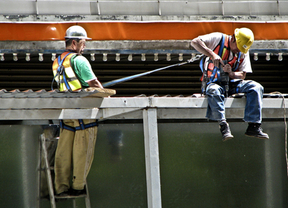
(64, 74)
(212, 73)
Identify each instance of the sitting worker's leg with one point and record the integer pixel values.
(63, 160)
(83, 155)
(253, 109)
(216, 109)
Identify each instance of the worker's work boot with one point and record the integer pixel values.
(74, 192)
(225, 130)
(254, 130)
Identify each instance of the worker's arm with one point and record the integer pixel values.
(201, 47)
(234, 75)
(95, 83)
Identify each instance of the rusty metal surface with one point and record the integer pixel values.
(29, 93)
(41, 94)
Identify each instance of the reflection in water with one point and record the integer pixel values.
(51, 134)
(115, 141)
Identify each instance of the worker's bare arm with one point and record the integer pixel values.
(201, 47)
(95, 83)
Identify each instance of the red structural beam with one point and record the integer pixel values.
(139, 31)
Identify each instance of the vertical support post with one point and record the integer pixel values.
(152, 158)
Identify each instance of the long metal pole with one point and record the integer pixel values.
(124, 79)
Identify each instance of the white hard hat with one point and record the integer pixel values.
(76, 32)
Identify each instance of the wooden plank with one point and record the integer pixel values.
(98, 92)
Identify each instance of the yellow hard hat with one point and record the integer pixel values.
(244, 39)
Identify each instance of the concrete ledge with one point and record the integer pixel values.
(130, 47)
(126, 108)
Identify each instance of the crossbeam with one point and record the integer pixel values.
(126, 108)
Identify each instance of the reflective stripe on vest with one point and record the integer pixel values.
(223, 50)
(64, 74)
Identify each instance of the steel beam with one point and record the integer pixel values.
(124, 113)
(126, 108)
(128, 102)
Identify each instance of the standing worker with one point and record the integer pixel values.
(224, 68)
(75, 150)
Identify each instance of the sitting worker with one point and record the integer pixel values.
(229, 54)
(75, 150)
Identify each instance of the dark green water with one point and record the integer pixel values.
(197, 168)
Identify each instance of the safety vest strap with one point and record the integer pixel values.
(81, 126)
(64, 126)
(60, 61)
(212, 72)
(238, 61)
(219, 48)
(59, 71)
(222, 44)
(216, 71)
(66, 82)
(64, 73)
(85, 126)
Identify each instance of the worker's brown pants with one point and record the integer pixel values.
(75, 151)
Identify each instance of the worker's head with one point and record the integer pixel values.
(244, 38)
(75, 39)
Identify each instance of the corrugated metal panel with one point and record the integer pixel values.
(183, 80)
(145, 7)
(16, 93)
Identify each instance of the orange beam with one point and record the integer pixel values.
(139, 31)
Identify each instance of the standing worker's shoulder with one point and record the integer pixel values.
(80, 63)
(79, 60)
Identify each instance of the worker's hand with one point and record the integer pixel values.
(227, 68)
(217, 60)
